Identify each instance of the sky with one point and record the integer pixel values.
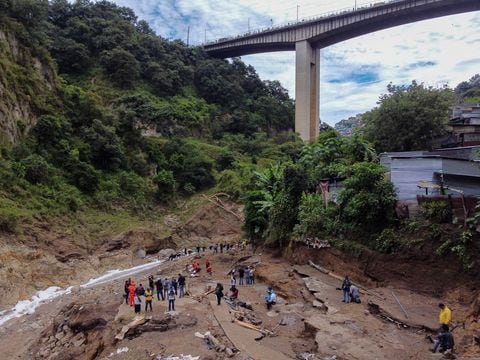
(353, 73)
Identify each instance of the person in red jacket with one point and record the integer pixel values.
(131, 291)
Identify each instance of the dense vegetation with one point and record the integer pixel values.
(114, 80)
(127, 120)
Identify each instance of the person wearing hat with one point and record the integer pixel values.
(271, 298)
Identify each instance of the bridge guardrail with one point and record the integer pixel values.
(361, 6)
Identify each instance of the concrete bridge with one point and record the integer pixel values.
(308, 37)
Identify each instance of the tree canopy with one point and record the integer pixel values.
(409, 117)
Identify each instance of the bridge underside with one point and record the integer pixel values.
(306, 38)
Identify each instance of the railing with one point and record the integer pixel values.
(326, 15)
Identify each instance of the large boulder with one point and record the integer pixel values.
(165, 253)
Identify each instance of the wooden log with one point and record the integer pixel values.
(138, 320)
(363, 289)
(318, 267)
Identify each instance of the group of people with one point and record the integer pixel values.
(166, 289)
(351, 293)
(246, 276)
(444, 339)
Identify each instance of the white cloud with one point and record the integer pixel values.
(448, 47)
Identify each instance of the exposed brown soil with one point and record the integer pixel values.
(308, 322)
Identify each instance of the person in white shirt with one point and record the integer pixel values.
(271, 298)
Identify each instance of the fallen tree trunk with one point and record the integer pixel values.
(137, 321)
(338, 277)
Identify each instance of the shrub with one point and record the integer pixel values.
(8, 221)
(437, 211)
(37, 170)
(230, 182)
(166, 185)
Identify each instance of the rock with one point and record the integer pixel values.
(59, 336)
(79, 342)
(321, 306)
(75, 290)
(313, 285)
(272, 313)
(165, 253)
(141, 253)
(289, 320)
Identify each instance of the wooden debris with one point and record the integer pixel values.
(137, 321)
(318, 267)
(362, 289)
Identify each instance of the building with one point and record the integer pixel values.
(464, 127)
(456, 171)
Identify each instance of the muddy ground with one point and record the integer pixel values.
(309, 321)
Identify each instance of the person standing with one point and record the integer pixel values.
(219, 293)
(131, 292)
(233, 279)
(207, 263)
(151, 282)
(174, 285)
(252, 275)
(166, 287)
(346, 289)
(271, 298)
(138, 304)
(127, 284)
(159, 287)
(181, 285)
(171, 300)
(445, 315)
(241, 274)
(148, 299)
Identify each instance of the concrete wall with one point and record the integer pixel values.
(407, 172)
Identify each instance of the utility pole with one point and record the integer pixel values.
(248, 24)
(355, 5)
(188, 34)
(297, 11)
(205, 34)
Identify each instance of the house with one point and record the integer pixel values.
(463, 127)
(455, 171)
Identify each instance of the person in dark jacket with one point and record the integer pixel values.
(241, 275)
(444, 340)
(181, 285)
(219, 293)
(127, 284)
(140, 290)
(346, 289)
(151, 282)
(159, 287)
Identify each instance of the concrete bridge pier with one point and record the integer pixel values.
(307, 90)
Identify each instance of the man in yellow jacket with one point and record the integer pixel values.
(445, 315)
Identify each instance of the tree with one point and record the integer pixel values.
(409, 117)
(121, 66)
